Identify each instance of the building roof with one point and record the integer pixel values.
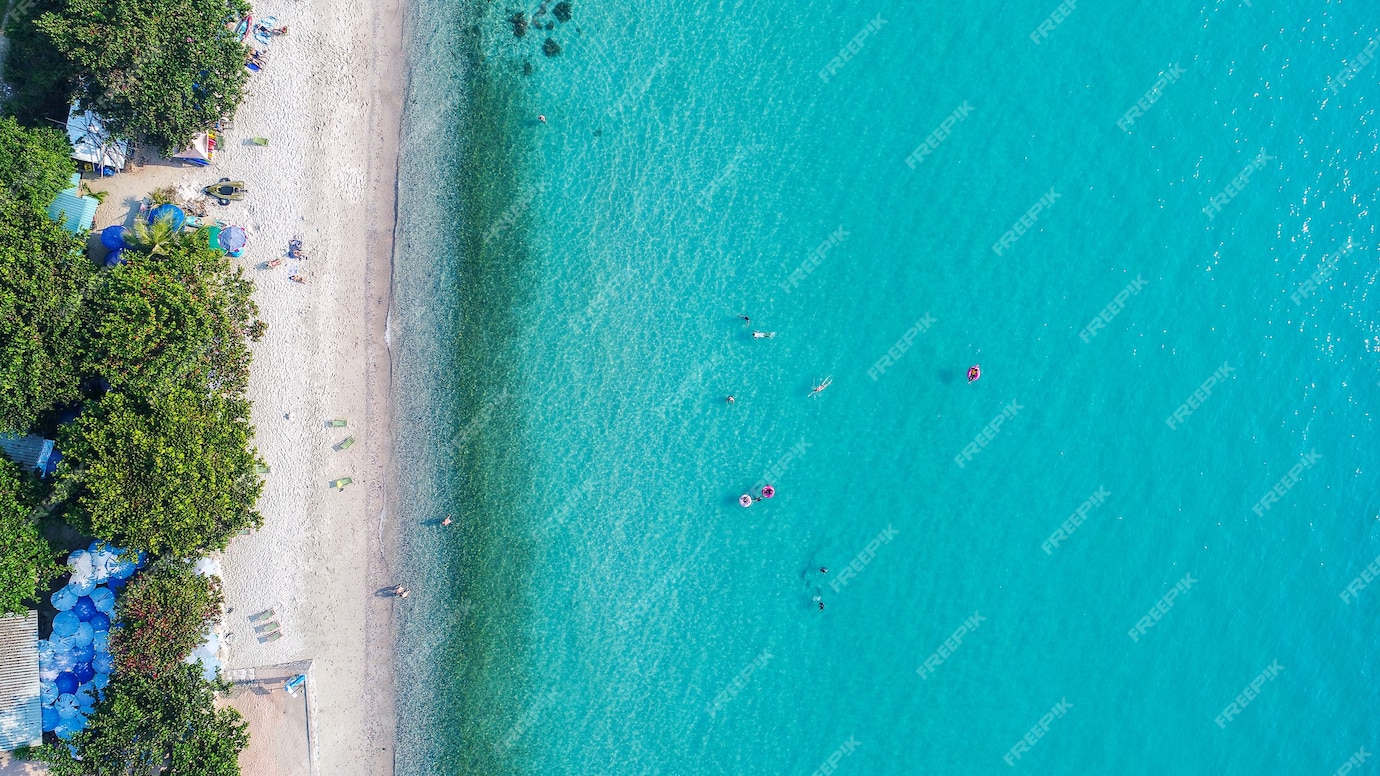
(72, 210)
(92, 142)
(21, 711)
(30, 452)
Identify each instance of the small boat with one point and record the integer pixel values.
(974, 372)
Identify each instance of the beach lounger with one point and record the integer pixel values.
(261, 469)
(274, 636)
(345, 444)
(338, 423)
(267, 627)
(259, 141)
(294, 684)
(341, 483)
(264, 615)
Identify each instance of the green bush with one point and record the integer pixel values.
(35, 164)
(171, 474)
(161, 617)
(43, 279)
(145, 723)
(163, 70)
(41, 79)
(27, 561)
(181, 319)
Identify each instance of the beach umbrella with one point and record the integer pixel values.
(86, 698)
(80, 562)
(64, 599)
(103, 662)
(50, 719)
(46, 653)
(65, 623)
(85, 633)
(82, 585)
(171, 212)
(66, 705)
(233, 239)
(116, 584)
(66, 682)
(113, 237)
(48, 692)
(84, 672)
(99, 681)
(124, 567)
(115, 258)
(103, 599)
(84, 607)
(101, 641)
(100, 622)
(83, 654)
(64, 730)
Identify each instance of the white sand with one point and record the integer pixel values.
(330, 103)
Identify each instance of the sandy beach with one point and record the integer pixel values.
(330, 103)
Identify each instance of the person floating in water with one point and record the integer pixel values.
(825, 383)
(974, 372)
(763, 334)
(729, 400)
(824, 569)
(541, 118)
(447, 521)
(746, 320)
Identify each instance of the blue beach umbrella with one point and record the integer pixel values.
(82, 585)
(233, 239)
(45, 653)
(100, 622)
(171, 212)
(85, 633)
(83, 654)
(115, 258)
(99, 681)
(116, 584)
(101, 641)
(103, 663)
(64, 599)
(84, 608)
(113, 238)
(48, 693)
(66, 683)
(65, 623)
(50, 719)
(104, 600)
(84, 673)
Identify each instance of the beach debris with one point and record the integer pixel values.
(341, 483)
(551, 48)
(337, 423)
(561, 12)
(346, 444)
(519, 22)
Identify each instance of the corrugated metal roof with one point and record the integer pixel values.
(21, 712)
(30, 452)
(72, 210)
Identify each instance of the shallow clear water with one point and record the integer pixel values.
(566, 333)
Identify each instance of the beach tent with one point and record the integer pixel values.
(92, 142)
(201, 152)
(74, 211)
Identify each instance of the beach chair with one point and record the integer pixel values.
(341, 483)
(259, 141)
(346, 444)
(266, 628)
(338, 423)
(270, 638)
(264, 615)
(294, 684)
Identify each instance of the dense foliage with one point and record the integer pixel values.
(144, 723)
(163, 70)
(27, 562)
(171, 474)
(44, 278)
(35, 164)
(40, 78)
(162, 616)
(178, 319)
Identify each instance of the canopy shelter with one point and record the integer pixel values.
(21, 708)
(201, 152)
(92, 142)
(73, 210)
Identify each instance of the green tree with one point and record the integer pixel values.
(27, 561)
(182, 318)
(35, 164)
(44, 277)
(162, 616)
(145, 723)
(163, 70)
(171, 474)
(41, 79)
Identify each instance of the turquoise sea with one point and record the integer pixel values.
(565, 335)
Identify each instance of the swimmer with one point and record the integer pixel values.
(824, 569)
(729, 399)
(542, 118)
(746, 320)
(763, 334)
(447, 521)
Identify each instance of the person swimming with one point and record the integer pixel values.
(729, 400)
(763, 334)
(746, 320)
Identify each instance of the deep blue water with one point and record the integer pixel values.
(566, 334)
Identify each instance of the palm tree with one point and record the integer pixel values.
(155, 239)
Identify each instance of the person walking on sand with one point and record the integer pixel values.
(401, 591)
